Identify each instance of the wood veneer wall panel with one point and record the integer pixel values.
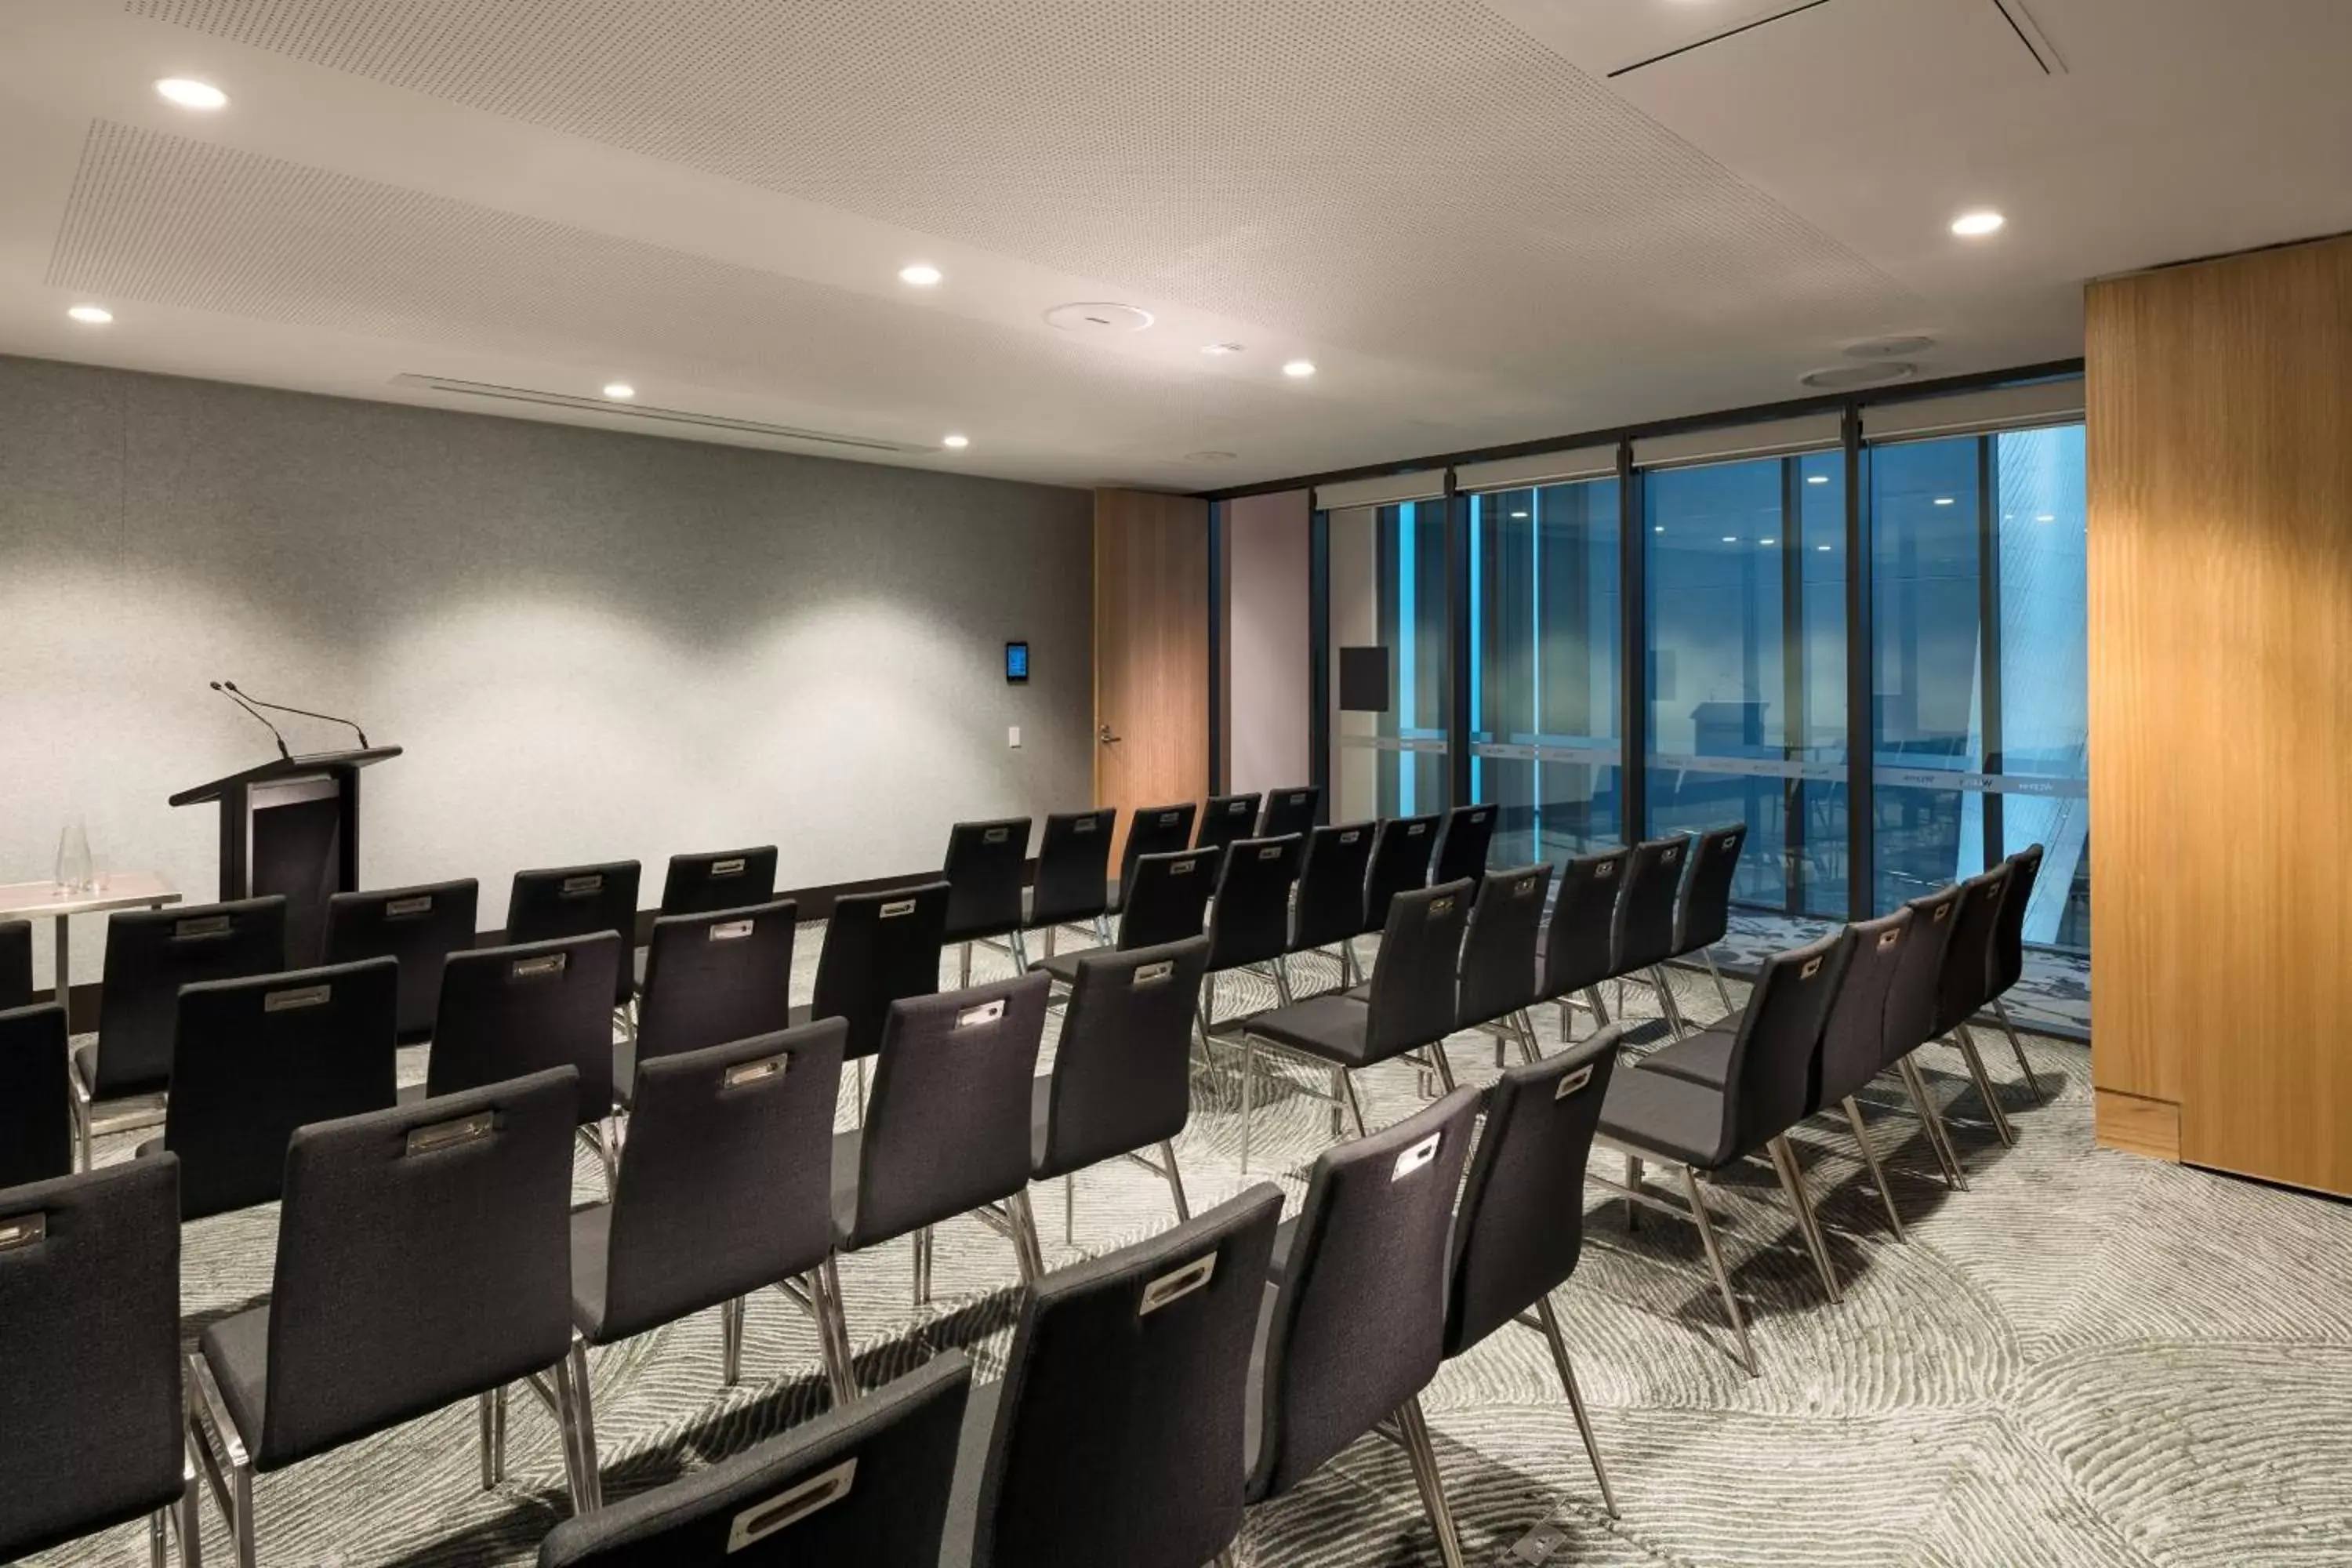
(1152, 651)
(2220, 633)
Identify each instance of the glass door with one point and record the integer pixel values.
(1388, 637)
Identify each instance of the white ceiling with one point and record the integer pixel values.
(1475, 231)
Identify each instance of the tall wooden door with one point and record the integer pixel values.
(1151, 652)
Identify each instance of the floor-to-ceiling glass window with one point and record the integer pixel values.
(1545, 689)
(1746, 576)
(1387, 585)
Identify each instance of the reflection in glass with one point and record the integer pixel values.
(1388, 590)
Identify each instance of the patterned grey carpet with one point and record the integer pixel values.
(2085, 1358)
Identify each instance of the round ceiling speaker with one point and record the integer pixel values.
(1888, 348)
(1846, 377)
(1098, 316)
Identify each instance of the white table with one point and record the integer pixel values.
(137, 890)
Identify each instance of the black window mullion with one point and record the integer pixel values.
(1318, 668)
(1860, 652)
(1793, 717)
(1989, 608)
(1633, 673)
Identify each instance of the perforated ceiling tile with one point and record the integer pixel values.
(1408, 177)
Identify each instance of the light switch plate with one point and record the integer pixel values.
(1012, 735)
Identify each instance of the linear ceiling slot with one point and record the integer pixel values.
(638, 411)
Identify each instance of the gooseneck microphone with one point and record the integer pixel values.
(351, 725)
(235, 696)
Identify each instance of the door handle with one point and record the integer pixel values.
(1105, 736)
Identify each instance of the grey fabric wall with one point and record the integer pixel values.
(594, 646)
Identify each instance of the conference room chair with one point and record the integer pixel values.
(1501, 962)
(2008, 951)
(89, 1336)
(1910, 1019)
(1354, 1327)
(150, 954)
(419, 926)
(1655, 1117)
(16, 965)
(1167, 901)
(1519, 1231)
(720, 879)
(878, 948)
(507, 1012)
(1289, 811)
(256, 1058)
(1154, 830)
(1853, 1038)
(866, 1484)
(710, 977)
(1402, 847)
(1328, 912)
(1644, 937)
(1462, 841)
(727, 1189)
(985, 863)
(1964, 986)
(1408, 1007)
(1116, 1436)
(1703, 913)
(1073, 880)
(1122, 1080)
(1579, 944)
(947, 1130)
(423, 1259)
(579, 901)
(1226, 818)
(1249, 918)
(37, 1141)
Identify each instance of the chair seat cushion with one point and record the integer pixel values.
(1702, 1059)
(591, 1246)
(1666, 1115)
(85, 1064)
(237, 1350)
(1333, 1026)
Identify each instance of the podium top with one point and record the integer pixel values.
(315, 765)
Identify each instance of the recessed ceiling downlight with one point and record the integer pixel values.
(1223, 348)
(90, 315)
(1299, 369)
(1874, 372)
(957, 442)
(1098, 317)
(921, 274)
(190, 93)
(1977, 225)
(619, 391)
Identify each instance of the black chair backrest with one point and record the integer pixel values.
(579, 901)
(256, 1059)
(1166, 898)
(1646, 910)
(1580, 944)
(420, 926)
(2009, 944)
(720, 975)
(36, 1135)
(1967, 983)
(1122, 1069)
(1704, 914)
(1251, 921)
(150, 954)
(984, 873)
(1412, 1002)
(947, 1128)
(878, 947)
(1289, 811)
(1154, 830)
(1401, 851)
(17, 965)
(728, 1185)
(1918, 979)
(1514, 1240)
(1358, 1324)
(1777, 1048)
(1499, 961)
(866, 1484)
(1119, 1425)
(509, 1011)
(720, 879)
(424, 1254)
(89, 1333)
(1853, 1038)
(1462, 845)
(1331, 885)
(1226, 818)
(1073, 867)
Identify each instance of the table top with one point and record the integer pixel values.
(123, 890)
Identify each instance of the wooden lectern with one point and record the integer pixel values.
(292, 826)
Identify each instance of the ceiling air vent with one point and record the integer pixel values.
(1871, 373)
(677, 418)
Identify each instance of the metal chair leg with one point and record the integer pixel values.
(1249, 1072)
(1551, 1322)
(1070, 1208)
(1633, 1187)
(824, 1286)
(1338, 1110)
(1354, 1105)
(1939, 1137)
(1715, 1263)
(1967, 1044)
(1444, 1069)
(1414, 1429)
(2032, 1084)
(921, 1261)
(188, 1517)
(1599, 1013)
(731, 1341)
(1721, 990)
(1793, 1182)
(1175, 1181)
(1027, 1253)
(155, 1554)
(493, 1412)
(1667, 1001)
(1877, 1171)
(573, 1393)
